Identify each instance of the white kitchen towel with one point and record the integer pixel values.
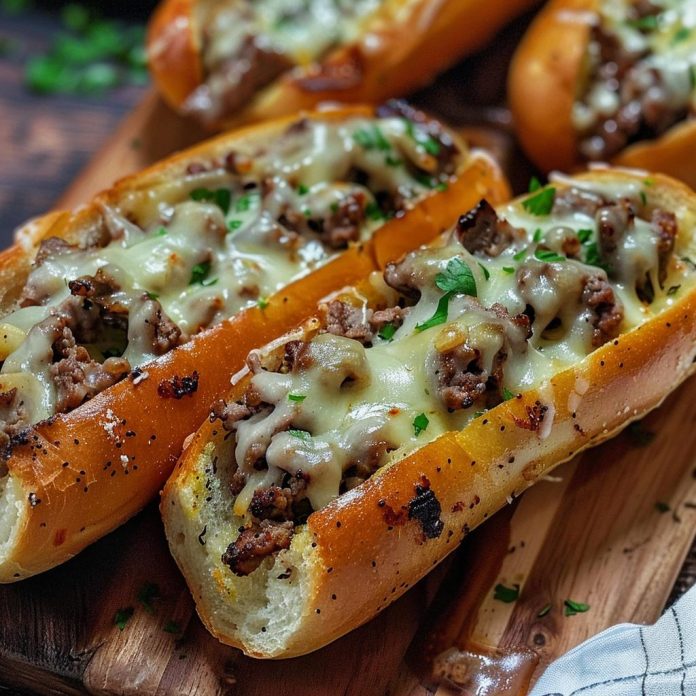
(630, 660)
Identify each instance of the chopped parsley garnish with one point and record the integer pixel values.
(457, 278)
(662, 507)
(122, 617)
(440, 316)
(673, 289)
(161, 231)
(393, 161)
(307, 212)
(262, 302)
(572, 608)
(425, 140)
(299, 398)
(371, 138)
(221, 197)
(585, 235)
(544, 611)
(243, 203)
(507, 394)
(538, 234)
(374, 212)
(534, 184)
(549, 256)
(520, 255)
(199, 273)
(682, 34)
(508, 269)
(146, 594)
(386, 333)
(506, 594)
(90, 56)
(541, 203)
(426, 180)
(300, 434)
(442, 186)
(420, 423)
(648, 23)
(302, 190)
(151, 295)
(486, 272)
(643, 198)
(172, 627)
(592, 256)
(234, 225)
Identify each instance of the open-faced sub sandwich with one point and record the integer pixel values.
(124, 320)
(225, 61)
(353, 455)
(611, 81)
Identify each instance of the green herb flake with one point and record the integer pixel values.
(243, 203)
(302, 190)
(442, 186)
(298, 398)
(374, 212)
(538, 234)
(508, 269)
(457, 278)
(393, 161)
(478, 414)
(543, 611)
(540, 204)
(162, 231)
(151, 295)
(386, 333)
(643, 198)
(520, 255)
(199, 273)
(585, 236)
(572, 608)
(122, 617)
(673, 290)
(262, 302)
(647, 24)
(371, 139)
(420, 423)
(506, 594)
(172, 627)
(234, 225)
(486, 272)
(549, 256)
(507, 394)
(440, 316)
(220, 197)
(208, 282)
(300, 434)
(681, 35)
(534, 184)
(662, 507)
(307, 212)
(146, 594)
(639, 435)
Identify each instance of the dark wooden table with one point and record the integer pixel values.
(45, 141)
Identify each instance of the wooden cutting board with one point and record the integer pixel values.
(599, 533)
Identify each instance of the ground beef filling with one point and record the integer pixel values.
(644, 107)
(482, 233)
(256, 543)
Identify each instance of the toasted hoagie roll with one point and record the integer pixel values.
(609, 80)
(352, 456)
(124, 320)
(226, 61)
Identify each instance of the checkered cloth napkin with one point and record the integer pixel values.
(630, 660)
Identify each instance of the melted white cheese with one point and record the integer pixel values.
(203, 263)
(351, 398)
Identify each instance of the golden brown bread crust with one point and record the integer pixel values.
(472, 473)
(93, 468)
(395, 58)
(544, 79)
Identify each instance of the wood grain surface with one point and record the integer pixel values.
(594, 535)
